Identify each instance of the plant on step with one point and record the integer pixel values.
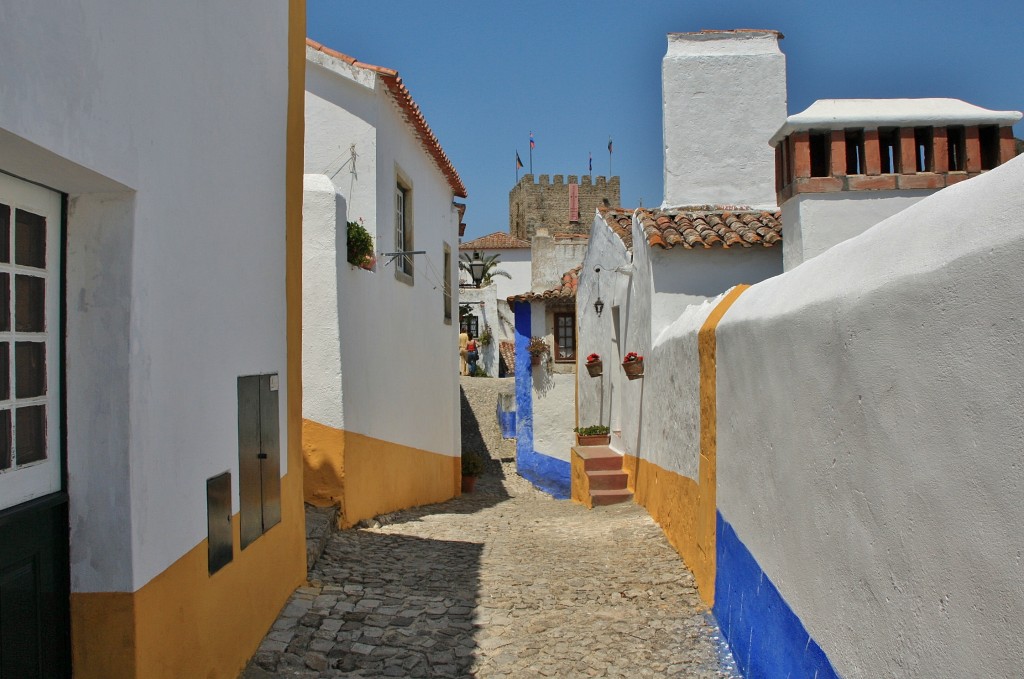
(360, 244)
(472, 463)
(592, 430)
(537, 346)
(479, 372)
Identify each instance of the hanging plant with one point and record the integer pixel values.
(594, 365)
(360, 246)
(486, 337)
(633, 365)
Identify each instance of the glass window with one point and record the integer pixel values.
(565, 337)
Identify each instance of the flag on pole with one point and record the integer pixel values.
(609, 144)
(519, 163)
(532, 144)
(590, 163)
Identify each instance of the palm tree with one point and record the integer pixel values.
(490, 262)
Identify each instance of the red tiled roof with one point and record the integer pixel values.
(508, 354)
(410, 110)
(703, 226)
(499, 240)
(565, 290)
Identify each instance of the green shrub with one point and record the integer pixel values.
(472, 463)
(360, 244)
(592, 430)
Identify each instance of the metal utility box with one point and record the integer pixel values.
(259, 456)
(218, 521)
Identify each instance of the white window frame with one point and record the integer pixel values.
(22, 483)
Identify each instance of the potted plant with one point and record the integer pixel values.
(472, 467)
(594, 435)
(537, 348)
(360, 246)
(594, 365)
(486, 337)
(633, 364)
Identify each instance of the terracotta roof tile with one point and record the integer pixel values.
(702, 226)
(508, 354)
(499, 240)
(565, 291)
(410, 110)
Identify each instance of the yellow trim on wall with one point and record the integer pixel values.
(580, 482)
(186, 622)
(366, 476)
(708, 475)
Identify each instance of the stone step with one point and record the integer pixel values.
(609, 497)
(599, 457)
(607, 479)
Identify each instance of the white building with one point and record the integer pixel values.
(376, 341)
(151, 467)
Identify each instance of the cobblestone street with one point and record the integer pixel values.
(503, 582)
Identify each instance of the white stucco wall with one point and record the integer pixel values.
(487, 316)
(814, 222)
(552, 258)
(395, 345)
(324, 253)
(683, 277)
(515, 262)
(723, 96)
(596, 333)
(176, 259)
(875, 471)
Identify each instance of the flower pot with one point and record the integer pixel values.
(468, 483)
(593, 440)
(634, 369)
(535, 359)
(369, 263)
(595, 368)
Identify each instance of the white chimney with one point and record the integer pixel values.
(723, 97)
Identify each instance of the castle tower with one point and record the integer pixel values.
(723, 96)
(560, 206)
(843, 165)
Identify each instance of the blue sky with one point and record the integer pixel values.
(486, 73)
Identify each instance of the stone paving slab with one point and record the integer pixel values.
(497, 584)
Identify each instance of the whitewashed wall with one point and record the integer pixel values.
(553, 257)
(683, 277)
(875, 472)
(515, 262)
(324, 253)
(723, 158)
(814, 222)
(176, 257)
(487, 315)
(596, 333)
(554, 401)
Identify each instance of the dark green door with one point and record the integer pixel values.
(34, 590)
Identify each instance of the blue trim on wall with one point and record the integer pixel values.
(507, 422)
(549, 474)
(767, 638)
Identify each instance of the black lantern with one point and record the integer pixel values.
(476, 269)
(598, 307)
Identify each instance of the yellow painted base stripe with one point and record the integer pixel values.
(706, 503)
(580, 482)
(366, 476)
(671, 499)
(187, 623)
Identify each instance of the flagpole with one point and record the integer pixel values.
(609, 157)
(517, 167)
(531, 152)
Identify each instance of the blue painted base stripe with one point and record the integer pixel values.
(507, 422)
(767, 638)
(549, 474)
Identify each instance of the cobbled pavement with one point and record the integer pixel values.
(503, 582)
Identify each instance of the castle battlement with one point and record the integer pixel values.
(543, 201)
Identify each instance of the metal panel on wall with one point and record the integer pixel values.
(250, 493)
(218, 521)
(270, 443)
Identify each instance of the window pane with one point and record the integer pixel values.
(29, 369)
(5, 439)
(30, 304)
(5, 371)
(5, 233)
(30, 429)
(5, 302)
(29, 239)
